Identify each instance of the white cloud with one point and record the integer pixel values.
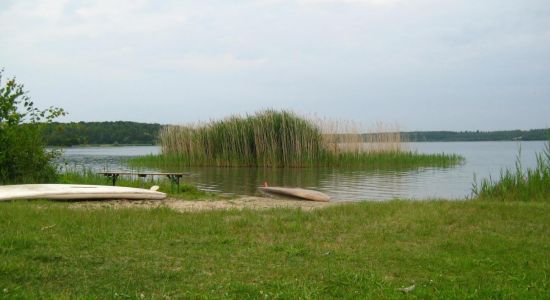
(367, 2)
(225, 62)
(60, 19)
(53, 9)
(283, 51)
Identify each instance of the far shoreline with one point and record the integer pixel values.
(158, 145)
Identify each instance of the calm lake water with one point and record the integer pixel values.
(483, 160)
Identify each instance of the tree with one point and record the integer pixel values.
(23, 154)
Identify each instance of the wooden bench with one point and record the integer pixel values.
(174, 177)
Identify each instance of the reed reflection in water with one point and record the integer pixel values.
(340, 184)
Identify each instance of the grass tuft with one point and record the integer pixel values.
(517, 184)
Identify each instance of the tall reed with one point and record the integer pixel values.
(269, 138)
(283, 139)
(519, 184)
(340, 137)
(385, 138)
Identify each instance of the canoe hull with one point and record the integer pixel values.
(75, 192)
(296, 193)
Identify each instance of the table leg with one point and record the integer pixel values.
(141, 181)
(175, 179)
(115, 177)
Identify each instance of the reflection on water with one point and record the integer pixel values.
(102, 158)
(484, 159)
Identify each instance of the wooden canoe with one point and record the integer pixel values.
(296, 193)
(75, 192)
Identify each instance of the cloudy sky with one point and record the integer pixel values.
(426, 64)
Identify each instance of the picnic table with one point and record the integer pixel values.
(174, 177)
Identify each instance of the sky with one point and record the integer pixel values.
(423, 64)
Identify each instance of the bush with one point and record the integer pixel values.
(23, 156)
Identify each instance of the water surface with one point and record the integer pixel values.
(483, 160)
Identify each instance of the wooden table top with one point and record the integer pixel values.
(141, 173)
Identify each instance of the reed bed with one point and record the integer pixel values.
(267, 139)
(519, 184)
(283, 139)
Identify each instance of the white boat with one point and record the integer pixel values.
(75, 192)
(296, 193)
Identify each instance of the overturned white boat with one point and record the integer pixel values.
(299, 193)
(76, 192)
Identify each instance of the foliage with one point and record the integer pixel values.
(514, 185)
(101, 133)
(446, 249)
(136, 133)
(23, 157)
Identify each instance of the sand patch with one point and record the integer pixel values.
(256, 203)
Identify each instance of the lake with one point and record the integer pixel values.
(483, 160)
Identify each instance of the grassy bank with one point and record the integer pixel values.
(454, 250)
(282, 139)
(518, 184)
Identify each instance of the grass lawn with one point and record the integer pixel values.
(474, 249)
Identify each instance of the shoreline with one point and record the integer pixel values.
(405, 142)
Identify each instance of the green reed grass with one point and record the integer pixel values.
(267, 139)
(276, 139)
(516, 184)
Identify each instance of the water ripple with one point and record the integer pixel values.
(483, 159)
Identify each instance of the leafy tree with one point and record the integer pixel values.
(23, 156)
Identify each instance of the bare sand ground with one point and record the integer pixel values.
(256, 203)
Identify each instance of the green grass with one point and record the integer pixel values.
(517, 184)
(279, 139)
(449, 250)
(185, 191)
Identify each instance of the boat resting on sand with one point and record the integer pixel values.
(76, 192)
(296, 193)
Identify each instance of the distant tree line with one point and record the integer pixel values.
(101, 133)
(470, 136)
(133, 133)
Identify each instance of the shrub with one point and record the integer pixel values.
(23, 156)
